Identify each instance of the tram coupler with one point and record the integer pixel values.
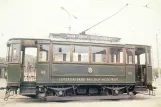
(9, 92)
(2, 88)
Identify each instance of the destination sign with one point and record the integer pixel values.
(84, 37)
(87, 79)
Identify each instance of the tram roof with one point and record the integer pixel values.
(81, 39)
(47, 39)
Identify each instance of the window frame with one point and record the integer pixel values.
(133, 56)
(148, 57)
(89, 56)
(9, 50)
(107, 55)
(90, 61)
(124, 55)
(10, 53)
(53, 52)
(38, 52)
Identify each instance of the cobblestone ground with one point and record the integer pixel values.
(139, 101)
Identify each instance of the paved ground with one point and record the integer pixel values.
(139, 101)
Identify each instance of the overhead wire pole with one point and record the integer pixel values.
(69, 14)
(83, 32)
(2, 34)
(158, 61)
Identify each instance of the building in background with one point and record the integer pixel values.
(3, 66)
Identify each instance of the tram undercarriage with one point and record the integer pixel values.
(84, 92)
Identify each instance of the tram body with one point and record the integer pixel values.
(65, 68)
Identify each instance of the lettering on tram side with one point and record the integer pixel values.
(87, 79)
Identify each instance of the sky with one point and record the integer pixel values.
(135, 24)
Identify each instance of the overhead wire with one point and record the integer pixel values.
(83, 32)
(150, 1)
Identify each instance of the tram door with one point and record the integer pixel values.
(29, 59)
(140, 60)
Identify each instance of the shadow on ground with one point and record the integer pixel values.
(31, 100)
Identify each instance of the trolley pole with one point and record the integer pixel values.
(158, 56)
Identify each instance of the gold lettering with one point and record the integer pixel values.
(88, 79)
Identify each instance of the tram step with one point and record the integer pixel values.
(28, 88)
(28, 91)
(28, 84)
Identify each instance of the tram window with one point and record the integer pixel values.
(142, 59)
(44, 53)
(140, 53)
(80, 54)
(116, 55)
(22, 57)
(149, 57)
(129, 56)
(9, 53)
(136, 59)
(98, 54)
(14, 53)
(61, 53)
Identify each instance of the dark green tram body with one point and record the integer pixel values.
(70, 77)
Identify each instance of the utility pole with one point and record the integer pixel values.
(69, 14)
(158, 56)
